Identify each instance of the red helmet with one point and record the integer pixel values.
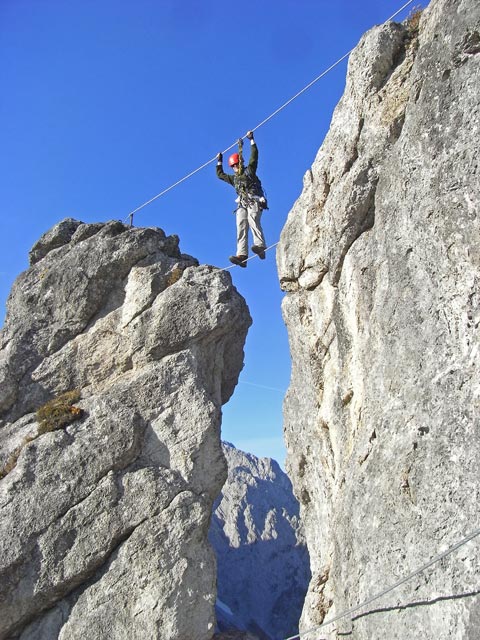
(233, 159)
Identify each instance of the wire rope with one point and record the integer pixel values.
(397, 584)
(260, 124)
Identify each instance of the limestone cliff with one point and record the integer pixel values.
(380, 259)
(105, 504)
(263, 564)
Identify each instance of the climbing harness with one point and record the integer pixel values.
(249, 189)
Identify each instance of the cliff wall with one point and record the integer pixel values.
(106, 496)
(380, 259)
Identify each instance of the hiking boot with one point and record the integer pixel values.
(240, 261)
(260, 251)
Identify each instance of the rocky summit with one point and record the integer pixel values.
(380, 259)
(263, 563)
(116, 356)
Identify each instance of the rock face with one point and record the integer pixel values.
(263, 564)
(104, 522)
(380, 258)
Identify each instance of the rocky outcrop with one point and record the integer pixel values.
(263, 564)
(380, 260)
(104, 518)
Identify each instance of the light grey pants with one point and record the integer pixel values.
(249, 216)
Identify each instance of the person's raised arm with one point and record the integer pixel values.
(253, 163)
(220, 172)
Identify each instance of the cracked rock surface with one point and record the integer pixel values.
(380, 259)
(104, 522)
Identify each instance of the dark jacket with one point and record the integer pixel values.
(245, 184)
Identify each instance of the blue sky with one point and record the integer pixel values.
(106, 103)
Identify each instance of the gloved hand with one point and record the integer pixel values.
(249, 135)
(220, 157)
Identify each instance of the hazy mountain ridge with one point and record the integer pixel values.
(263, 564)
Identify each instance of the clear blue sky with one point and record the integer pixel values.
(105, 103)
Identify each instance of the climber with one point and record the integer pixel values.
(250, 199)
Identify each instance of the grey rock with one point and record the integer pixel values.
(104, 523)
(73, 286)
(380, 258)
(57, 237)
(263, 564)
